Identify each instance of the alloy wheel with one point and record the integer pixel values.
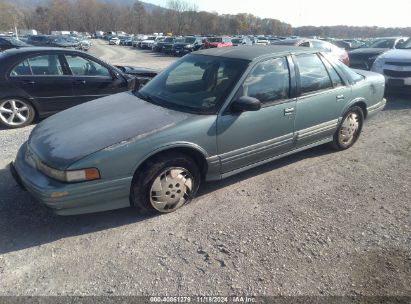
(14, 112)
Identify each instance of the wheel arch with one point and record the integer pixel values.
(198, 154)
(359, 102)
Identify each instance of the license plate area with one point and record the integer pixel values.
(395, 82)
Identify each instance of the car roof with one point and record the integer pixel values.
(35, 49)
(253, 52)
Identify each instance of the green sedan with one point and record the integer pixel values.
(211, 114)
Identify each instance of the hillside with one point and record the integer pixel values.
(33, 3)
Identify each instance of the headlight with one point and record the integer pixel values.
(378, 64)
(189, 46)
(87, 174)
(372, 58)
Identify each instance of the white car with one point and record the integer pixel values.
(148, 43)
(395, 65)
(114, 41)
(262, 40)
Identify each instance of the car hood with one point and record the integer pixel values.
(398, 54)
(71, 135)
(368, 51)
(181, 44)
(138, 71)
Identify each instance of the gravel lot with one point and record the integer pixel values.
(315, 223)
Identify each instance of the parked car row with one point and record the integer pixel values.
(64, 41)
(361, 55)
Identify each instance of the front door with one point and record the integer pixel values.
(249, 137)
(92, 80)
(322, 99)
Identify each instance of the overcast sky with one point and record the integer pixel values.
(385, 13)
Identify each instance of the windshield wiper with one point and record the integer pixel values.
(147, 98)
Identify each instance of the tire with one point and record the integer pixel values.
(349, 129)
(165, 183)
(16, 113)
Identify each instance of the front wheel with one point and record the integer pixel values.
(349, 130)
(165, 183)
(16, 113)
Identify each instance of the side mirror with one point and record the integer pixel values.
(245, 104)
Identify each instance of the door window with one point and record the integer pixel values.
(313, 75)
(22, 69)
(268, 81)
(80, 66)
(45, 65)
(335, 78)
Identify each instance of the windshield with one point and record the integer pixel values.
(180, 40)
(236, 40)
(151, 38)
(196, 83)
(382, 43)
(169, 40)
(405, 45)
(190, 40)
(215, 39)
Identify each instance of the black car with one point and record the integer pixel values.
(364, 57)
(65, 42)
(159, 46)
(168, 44)
(37, 82)
(11, 43)
(190, 44)
(40, 40)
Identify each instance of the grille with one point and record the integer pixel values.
(397, 73)
(398, 63)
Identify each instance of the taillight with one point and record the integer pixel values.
(345, 58)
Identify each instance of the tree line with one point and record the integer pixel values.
(179, 17)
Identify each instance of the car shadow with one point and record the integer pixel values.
(397, 101)
(279, 163)
(25, 223)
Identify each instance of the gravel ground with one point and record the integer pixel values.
(315, 223)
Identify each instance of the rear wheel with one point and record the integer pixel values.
(349, 130)
(165, 183)
(16, 113)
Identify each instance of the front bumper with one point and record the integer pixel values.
(374, 109)
(73, 198)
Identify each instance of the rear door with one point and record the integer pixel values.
(322, 98)
(92, 80)
(43, 77)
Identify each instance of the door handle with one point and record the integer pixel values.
(288, 111)
(340, 97)
(80, 81)
(29, 82)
